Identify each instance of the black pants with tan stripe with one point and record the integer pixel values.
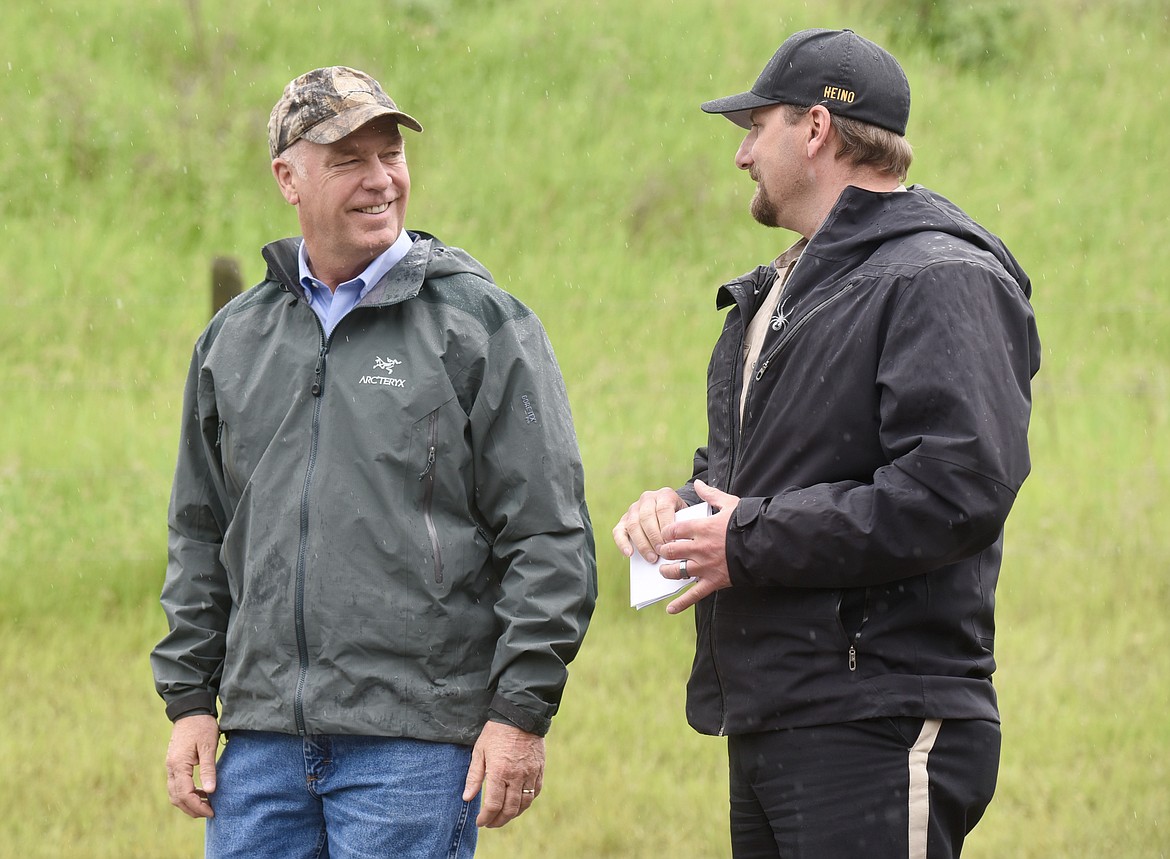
(897, 788)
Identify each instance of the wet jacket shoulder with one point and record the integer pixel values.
(882, 444)
(383, 532)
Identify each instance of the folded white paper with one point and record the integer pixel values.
(647, 584)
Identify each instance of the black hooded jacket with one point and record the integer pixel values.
(882, 444)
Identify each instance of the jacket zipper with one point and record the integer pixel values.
(302, 554)
(227, 462)
(856, 638)
(428, 474)
(733, 444)
(733, 448)
(787, 338)
(319, 370)
(856, 641)
(760, 370)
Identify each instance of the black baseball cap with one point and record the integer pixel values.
(849, 75)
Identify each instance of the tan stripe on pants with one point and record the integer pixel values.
(919, 799)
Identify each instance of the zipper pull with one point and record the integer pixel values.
(430, 462)
(852, 658)
(318, 372)
(761, 369)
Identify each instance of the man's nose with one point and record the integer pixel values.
(375, 174)
(743, 156)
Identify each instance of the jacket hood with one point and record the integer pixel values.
(862, 221)
(427, 259)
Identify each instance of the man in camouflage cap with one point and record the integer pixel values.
(325, 105)
(381, 561)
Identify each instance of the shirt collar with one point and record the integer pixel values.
(373, 273)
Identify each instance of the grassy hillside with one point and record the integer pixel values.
(565, 149)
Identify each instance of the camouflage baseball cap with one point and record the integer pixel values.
(324, 105)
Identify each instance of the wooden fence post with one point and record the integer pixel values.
(226, 283)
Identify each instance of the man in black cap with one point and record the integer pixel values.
(381, 561)
(868, 407)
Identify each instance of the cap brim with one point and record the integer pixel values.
(347, 122)
(737, 108)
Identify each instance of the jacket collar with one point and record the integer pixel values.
(859, 223)
(402, 282)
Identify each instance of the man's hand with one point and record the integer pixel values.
(640, 529)
(703, 544)
(193, 743)
(508, 764)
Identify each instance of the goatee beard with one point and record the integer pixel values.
(762, 209)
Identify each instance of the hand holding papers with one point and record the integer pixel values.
(647, 585)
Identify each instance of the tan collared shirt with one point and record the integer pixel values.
(769, 316)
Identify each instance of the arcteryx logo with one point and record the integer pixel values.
(386, 365)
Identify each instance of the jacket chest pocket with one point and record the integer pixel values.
(438, 485)
(227, 460)
(430, 441)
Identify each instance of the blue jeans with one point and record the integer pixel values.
(336, 797)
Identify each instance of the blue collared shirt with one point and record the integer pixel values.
(332, 306)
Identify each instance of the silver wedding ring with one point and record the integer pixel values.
(682, 569)
(528, 790)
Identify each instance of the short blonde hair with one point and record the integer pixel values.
(866, 145)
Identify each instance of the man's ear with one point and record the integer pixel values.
(286, 179)
(820, 125)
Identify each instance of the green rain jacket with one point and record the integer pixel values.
(382, 532)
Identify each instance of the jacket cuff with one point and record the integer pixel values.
(192, 704)
(502, 710)
(743, 519)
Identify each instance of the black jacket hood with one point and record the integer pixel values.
(863, 221)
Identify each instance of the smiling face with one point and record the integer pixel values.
(350, 197)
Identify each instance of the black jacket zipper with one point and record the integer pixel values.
(733, 421)
(787, 338)
(855, 639)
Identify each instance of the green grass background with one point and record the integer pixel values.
(565, 149)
